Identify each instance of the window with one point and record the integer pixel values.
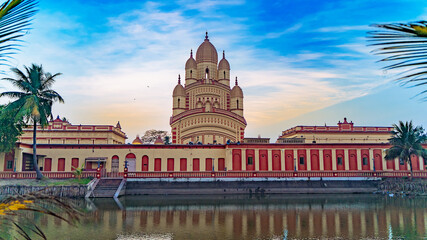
(365, 161)
(9, 164)
(401, 162)
(339, 160)
(224, 74)
(250, 160)
(301, 160)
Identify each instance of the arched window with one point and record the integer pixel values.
(191, 73)
(224, 74)
(179, 100)
(237, 103)
(207, 73)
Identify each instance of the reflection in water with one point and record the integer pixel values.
(245, 217)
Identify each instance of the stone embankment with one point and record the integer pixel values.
(59, 191)
(403, 186)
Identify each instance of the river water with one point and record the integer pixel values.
(245, 217)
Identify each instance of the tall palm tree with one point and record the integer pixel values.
(406, 142)
(34, 101)
(405, 45)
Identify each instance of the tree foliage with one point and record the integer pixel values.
(406, 141)
(15, 19)
(405, 46)
(151, 135)
(10, 130)
(34, 101)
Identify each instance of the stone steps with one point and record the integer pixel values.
(106, 188)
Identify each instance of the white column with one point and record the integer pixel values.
(359, 159)
(346, 159)
(383, 159)
(270, 159)
(282, 160)
(334, 159)
(308, 154)
(421, 160)
(396, 164)
(371, 159)
(256, 159)
(321, 161)
(244, 160)
(296, 159)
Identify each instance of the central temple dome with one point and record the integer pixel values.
(206, 52)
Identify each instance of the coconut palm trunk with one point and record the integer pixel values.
(35, 162)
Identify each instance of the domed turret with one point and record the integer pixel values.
(236, 100)
(206, 52)
(190, 70)
(224, 70)
(137, 140)
(207, 60)
(178, 98)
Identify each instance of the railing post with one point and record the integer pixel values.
(125, 175)
(98, 173)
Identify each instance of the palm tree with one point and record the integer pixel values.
(405, 44)
(15, 18)
(406, 142)
(34, 102)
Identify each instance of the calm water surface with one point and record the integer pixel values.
(246, 217)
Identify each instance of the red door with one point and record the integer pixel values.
(378, 161)
(250, 164)
(145, 163)
(353, 159)
(302, 160)
(289, 160)
(276, 160)
(327, 160)
(48, 164)
(208, 166)
(237, 160)
(196, 164)
(315, 160)
(183, 164)
(221, 164)
(61, 164)
(158, 164)
(263, 160)
(170, 165)
(74, 163)
(366, 162)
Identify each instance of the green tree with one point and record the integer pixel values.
(34, 101)
(405, 45)
(10, 130)
(406, 141)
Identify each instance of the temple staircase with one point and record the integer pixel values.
(109, 188)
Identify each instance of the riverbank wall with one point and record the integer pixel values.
(135, 187)
(59, 191)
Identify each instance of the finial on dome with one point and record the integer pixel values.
(179, 78)
(191, 53)
(236, 81)
(206, 37)
(223, 53)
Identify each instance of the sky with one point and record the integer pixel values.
(303, 62)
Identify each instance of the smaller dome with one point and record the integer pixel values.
(236, 92)
(223, 64)
(137, 140)
(158, 140)
(178, 91)
(191, 63)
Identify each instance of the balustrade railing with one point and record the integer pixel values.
(223, 174)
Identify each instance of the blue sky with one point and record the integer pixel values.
(298, 62)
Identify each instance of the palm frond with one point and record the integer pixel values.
(15, 19)
(406, 47)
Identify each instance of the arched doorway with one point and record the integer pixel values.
(145, 163)
(131, 160)
(115, 164)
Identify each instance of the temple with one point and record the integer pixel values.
(208, 141)
(206, 110)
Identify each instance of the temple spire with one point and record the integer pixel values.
(179, 78)
(191, 53)
(236, 81)
(223, 54)
(206, 37)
